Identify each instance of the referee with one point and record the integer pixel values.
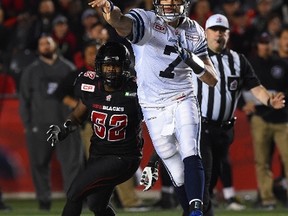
(218, 104)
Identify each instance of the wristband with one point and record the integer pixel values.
(153, 164)
(154, 160)
(69, 127)
(111, 7)
(196, 64)
(268, 102)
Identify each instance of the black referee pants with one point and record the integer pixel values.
(215, 142)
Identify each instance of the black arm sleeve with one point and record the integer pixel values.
(250, 78)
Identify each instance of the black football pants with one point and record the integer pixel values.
(98, 180)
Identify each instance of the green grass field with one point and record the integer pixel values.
(30, 208)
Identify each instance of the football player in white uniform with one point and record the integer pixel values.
(170, 48)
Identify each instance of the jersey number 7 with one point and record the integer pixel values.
(167, 73)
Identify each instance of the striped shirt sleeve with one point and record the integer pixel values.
(140, 20)
(250, 78)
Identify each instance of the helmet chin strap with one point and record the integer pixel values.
(112, 80)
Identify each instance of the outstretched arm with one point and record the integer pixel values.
(277, 101)
(202, 67)
(114, 16)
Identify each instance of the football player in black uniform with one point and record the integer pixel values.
(109, 100)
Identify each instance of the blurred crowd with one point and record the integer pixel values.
(72, 24)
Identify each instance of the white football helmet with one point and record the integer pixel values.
(177, 10)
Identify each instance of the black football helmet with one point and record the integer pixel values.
(179, 10)
(116, 54)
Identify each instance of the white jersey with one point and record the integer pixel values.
(162, 76)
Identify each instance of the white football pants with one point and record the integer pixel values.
(175, 133)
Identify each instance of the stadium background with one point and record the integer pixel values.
(12, 139)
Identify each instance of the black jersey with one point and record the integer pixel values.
(115, 116)
(273, 74)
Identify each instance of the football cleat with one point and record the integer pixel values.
(196, 208)
(196, 213)
(234, 206)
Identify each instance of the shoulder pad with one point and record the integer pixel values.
(131, 83)
(87, 81)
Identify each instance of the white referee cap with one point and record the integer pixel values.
(217, 20)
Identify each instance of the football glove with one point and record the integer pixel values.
(192, 60)
(149, 176)
(182, 52)
(57, 134)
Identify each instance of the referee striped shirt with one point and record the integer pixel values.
(234, 73)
